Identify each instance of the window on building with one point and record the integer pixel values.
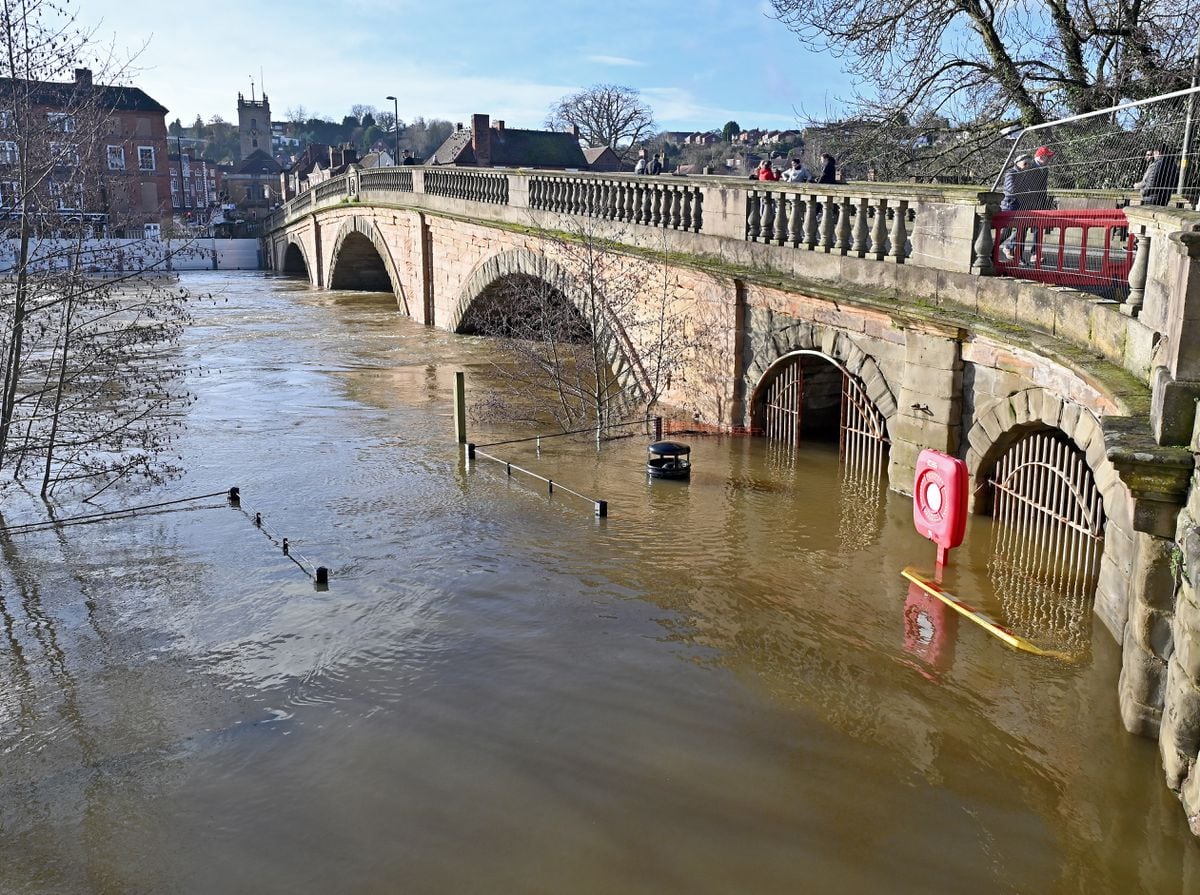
(253, 124)
(145, 158)
(66, 196)
(64, 153)
(61, 121)
(116, 158)
(6, 119)
(9, 154)
(255, 142)
(10, 193)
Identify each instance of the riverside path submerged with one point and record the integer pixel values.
(710, 691)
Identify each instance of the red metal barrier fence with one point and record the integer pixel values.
(1087, 250)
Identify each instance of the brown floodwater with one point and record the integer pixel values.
(724, 687)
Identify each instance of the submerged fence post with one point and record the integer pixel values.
(460, 406)
(601, 509)
(658, 428)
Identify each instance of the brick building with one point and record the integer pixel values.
(101, 152)
(487, 145)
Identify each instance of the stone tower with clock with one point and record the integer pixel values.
(254, 124)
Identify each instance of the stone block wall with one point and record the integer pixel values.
(1177, 627)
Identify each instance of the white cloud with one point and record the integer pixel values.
(614, 60)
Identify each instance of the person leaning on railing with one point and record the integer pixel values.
(1160, 178)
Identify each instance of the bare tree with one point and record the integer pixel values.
(606, 115)
(981, 67)
(297, 115)
(88, 387)
(591, 333)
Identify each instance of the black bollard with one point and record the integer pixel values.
(258, 519)
(285, 547)
(235, 496)
(322, 575)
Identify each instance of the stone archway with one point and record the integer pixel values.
(832, 345)
(615, 343)
(357, 229)
(293, 259)
(1004, 422)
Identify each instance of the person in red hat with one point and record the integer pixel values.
(1043, 154)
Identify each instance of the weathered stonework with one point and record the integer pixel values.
(952, 357)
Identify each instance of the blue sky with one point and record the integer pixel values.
(697, 67)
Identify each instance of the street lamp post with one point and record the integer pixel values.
(396, 127)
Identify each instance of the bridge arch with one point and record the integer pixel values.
(293, 259)
(1005, 422)
(831, 345)
(362, 259)
(615, 343)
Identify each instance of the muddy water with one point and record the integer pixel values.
(724, 687)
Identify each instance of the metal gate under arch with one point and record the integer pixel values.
(862, 429)
(1048, 539)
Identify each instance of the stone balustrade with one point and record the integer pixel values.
(928, 243)
(669, 203)
(468, 184)
(818, 219)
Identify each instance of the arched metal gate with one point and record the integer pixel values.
(862, 429)
(1048, 539)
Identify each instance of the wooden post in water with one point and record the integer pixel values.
(460, 407)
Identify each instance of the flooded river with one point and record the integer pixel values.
(725, 687)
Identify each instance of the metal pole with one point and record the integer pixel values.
(396, 128)
(1187, 123)
(460, 407)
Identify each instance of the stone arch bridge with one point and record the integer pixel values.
(895, 285)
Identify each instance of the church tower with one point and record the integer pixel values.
(254, 124)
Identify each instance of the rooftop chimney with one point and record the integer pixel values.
(83, 77)
(575, 131)
(499, 126)
(481, 140)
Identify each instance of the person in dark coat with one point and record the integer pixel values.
(1019, 194)
(828, 169)
(1160, 179)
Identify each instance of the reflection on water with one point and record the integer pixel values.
(723, 687)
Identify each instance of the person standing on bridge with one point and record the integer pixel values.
(828, 169)
(1160, 178)
(1016, 189)
(655, 166)
(797, 173)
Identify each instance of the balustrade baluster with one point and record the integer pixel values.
(753, 219)
(628, 190)
(879, 234)
(843, 225)
(797, 222)
(899, 232)
(697, 210)
(647, 205)
(768, 216)
(810, 221)
(656, 214)
(1137, 275)
(781, 218)
(828, 222)
(686, 209)
(676, 207)
(862, 233)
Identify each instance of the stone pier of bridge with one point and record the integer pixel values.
(894, 284)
